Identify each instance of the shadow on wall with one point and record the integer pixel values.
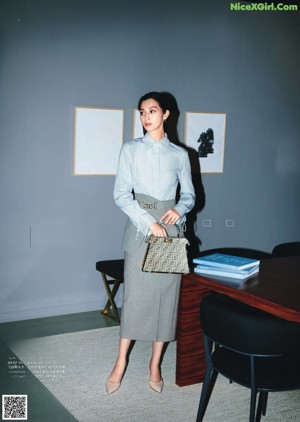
(171, 129)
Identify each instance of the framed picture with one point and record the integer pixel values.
(97, 141)
(205, 133)
(137, 127)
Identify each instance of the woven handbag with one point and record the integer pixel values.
(166, 255)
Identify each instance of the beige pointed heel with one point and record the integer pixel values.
(112, 387)
(157, 386)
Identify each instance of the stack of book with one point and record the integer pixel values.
(222, 265)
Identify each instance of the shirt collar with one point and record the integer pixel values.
(150, 143)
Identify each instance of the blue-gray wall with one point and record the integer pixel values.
(56, 54)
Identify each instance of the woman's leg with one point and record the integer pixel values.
(154, 365)
(120, 365)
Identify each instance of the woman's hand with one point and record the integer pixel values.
(157, 230)
(171, 217)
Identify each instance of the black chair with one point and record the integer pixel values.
(249, 347)
(286, 249)
(244, 252)
(115, 270)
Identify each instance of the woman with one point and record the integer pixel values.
(149, 171)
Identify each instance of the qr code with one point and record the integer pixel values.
(14, 407)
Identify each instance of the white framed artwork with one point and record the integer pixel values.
(205, 133)
(97, 141)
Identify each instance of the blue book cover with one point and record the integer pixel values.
(219, 260)
(237, 283)
(241, 275)
(245, 271)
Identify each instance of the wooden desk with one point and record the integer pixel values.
(276, 289)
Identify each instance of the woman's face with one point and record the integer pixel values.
(152, 116)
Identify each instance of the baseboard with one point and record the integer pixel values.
(57, 310)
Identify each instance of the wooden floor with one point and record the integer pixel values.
(42, 405)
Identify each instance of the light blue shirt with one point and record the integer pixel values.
(152, 168)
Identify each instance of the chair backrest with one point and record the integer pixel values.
(286, 249)
(246, 329)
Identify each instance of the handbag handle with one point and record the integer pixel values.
(176, 225)
(159, 222)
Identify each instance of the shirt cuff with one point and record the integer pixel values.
(181, 209)
(148, 220)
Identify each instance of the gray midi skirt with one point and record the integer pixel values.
(150, 300)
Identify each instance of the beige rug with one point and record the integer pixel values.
(75, 366)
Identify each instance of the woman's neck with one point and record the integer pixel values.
(157, 135)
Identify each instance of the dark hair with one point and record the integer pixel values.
(157, 96)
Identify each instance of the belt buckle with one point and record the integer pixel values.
(150, 206)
